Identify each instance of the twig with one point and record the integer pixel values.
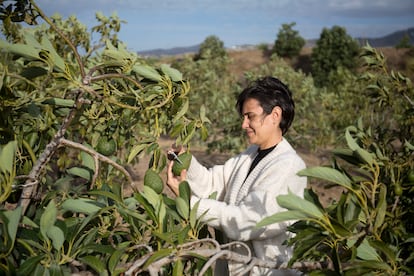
(190, 249)
(97, 156)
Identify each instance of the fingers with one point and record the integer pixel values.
(183, 175)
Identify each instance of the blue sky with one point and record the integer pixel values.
(153, 24)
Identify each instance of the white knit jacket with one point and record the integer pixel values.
(242, 202)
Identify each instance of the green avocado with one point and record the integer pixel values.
(185, 158)
(154, 181)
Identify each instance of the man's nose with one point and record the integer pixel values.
(245, 122)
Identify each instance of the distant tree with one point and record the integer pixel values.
(334, 49)
(211, 48)
(288, 42)
(404, 42)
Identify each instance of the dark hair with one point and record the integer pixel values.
(270, 92)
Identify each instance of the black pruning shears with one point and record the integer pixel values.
(173, 156)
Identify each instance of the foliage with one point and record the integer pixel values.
(211, 48)
(369, 230)
(215, 92)
(334, 49)
(288, 42)
(59, 109)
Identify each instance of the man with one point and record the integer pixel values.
(247, 185)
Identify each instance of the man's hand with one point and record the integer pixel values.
(174, 181)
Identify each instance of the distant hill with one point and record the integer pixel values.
(389, 40)
(386, 41)
(171, 51)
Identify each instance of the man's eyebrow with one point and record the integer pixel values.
(248, 113)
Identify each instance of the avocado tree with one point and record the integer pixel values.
(334, 50)
(73, 113)
(211, 48)
(288, 42)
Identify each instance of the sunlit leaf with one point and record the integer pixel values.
(282, 216)
(173, 73)
(328, 174)
(293, 202)
(352, 144)
(147, 72)
(183, 207)
(184, 190)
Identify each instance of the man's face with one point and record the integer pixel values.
(260, 127)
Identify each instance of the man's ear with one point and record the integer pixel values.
(277, 114)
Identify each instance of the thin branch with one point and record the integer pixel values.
(188, 250)
(97, 155)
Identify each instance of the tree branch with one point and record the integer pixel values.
(97, 156)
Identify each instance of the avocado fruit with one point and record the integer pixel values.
(185, 159)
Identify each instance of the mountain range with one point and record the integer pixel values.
(389, 40)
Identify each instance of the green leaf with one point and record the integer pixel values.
(88, 161)
(352, 144)
(193, 214)
(56, 59)
(347, 155)
(163, 252)
(81, 172)
(29, 265)
(173, 73)
(107, 194)
(114, 260)
(57, 237)
(48, 218)
(152, 197)
(12, 222)
(328, 174)
(366, 252)
(137, 149)
(80, 205)
(182, 111)
(364, 156)
(147, 72)
(183, 207)
(178, 268)
(293, 202)
(184, 190)
(20, 49)
(381, 207)
(388, 250)
(203, 116)
(7, 154)
(282, 216)
(94, 262)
